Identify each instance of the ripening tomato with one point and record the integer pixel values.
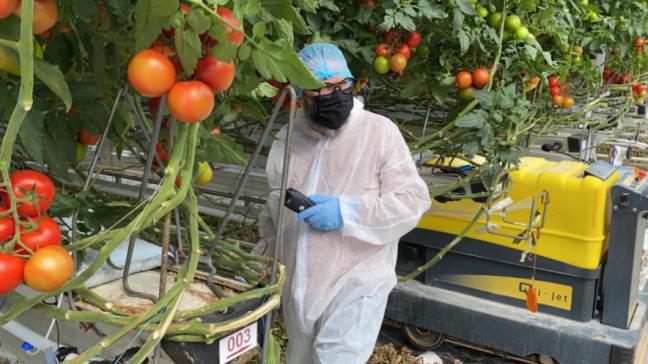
(48, 269)
(205, 174)
(413, 39)
(531, 84)
(11, 271)
(87, 138)
(381, 65)
(607, 74)
(463, 80)
(7, 225)
(564, 88)
(568, 102)
(36, 188)
(558, 100)
(397, 62)
(216, 74)
(480, 78)
(47, 233)
(553, 81)
(81, 153)
(7, 7)
(44, 16)
(381, 50)
(639, 42)
(151, 73)
(405, 50)
(190, 101)
(554, 91)
(232, 36)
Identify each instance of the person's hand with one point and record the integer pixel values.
(325, 216)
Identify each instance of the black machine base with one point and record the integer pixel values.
(516, 330)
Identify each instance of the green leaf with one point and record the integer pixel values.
(162, 8)
(147, 24)
(283, 9)
(431, 11)
(464, 42)
(258, 30)
(265, 90)
(329, 4)
(224, 51)
(252, 8)
(307, 5)
(188, 45)
(118, 7)
(285, 63)
(403, 21)
(221, 149)
(199, 21)
(252, 108)
(532, 52)
(31, 134)
(244, 52)
(474, 119)
(466, 7)
(274, 351)
(414, 88)
(457, 22)
(51, 76)
(284, 30)
(99, 61)
(470, 148)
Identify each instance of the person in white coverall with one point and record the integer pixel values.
(340, 254)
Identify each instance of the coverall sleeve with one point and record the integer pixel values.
(404, 197)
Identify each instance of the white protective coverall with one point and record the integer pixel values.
(338, 282)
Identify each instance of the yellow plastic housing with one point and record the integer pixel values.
(576, 223)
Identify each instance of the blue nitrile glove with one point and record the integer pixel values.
(325, 216)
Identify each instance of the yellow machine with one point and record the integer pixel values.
(572, 231)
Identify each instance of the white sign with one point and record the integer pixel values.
(232, 346)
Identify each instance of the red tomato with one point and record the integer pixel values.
(44, 17)
(154, 104)
(405, 50)
(33, 186)
(151, 73)
(7, 225)
(554, 91)
(48, 269)
(215, 131)
(564, 88)
(46, 233)
(11, 271)
(72, 111)
(463, 80)
(159, 148)
(7, 7)
(553, 81)
(218, 75)
(190, 101)
(87, 138)
(381, 50)
(413, 39)
(480, 78)
(397, 62)
(233, 36)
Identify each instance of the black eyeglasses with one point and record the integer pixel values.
(345, 86)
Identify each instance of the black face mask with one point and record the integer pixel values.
(332, 110)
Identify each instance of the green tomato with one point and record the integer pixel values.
(577, 60)
(451, 4)
(522, 33)
(513, 23)
(448, 80)
(482, 12)
(81, 152)
(495, 20)
(577, 50)
(381, 65)
(591, 15)
(422, 51)
(584, 2)
(473, 1)
(466, 94)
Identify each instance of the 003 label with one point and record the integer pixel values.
(232, 346)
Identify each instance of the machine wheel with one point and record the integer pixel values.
(423, 339)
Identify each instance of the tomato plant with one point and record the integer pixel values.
(48, 269)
